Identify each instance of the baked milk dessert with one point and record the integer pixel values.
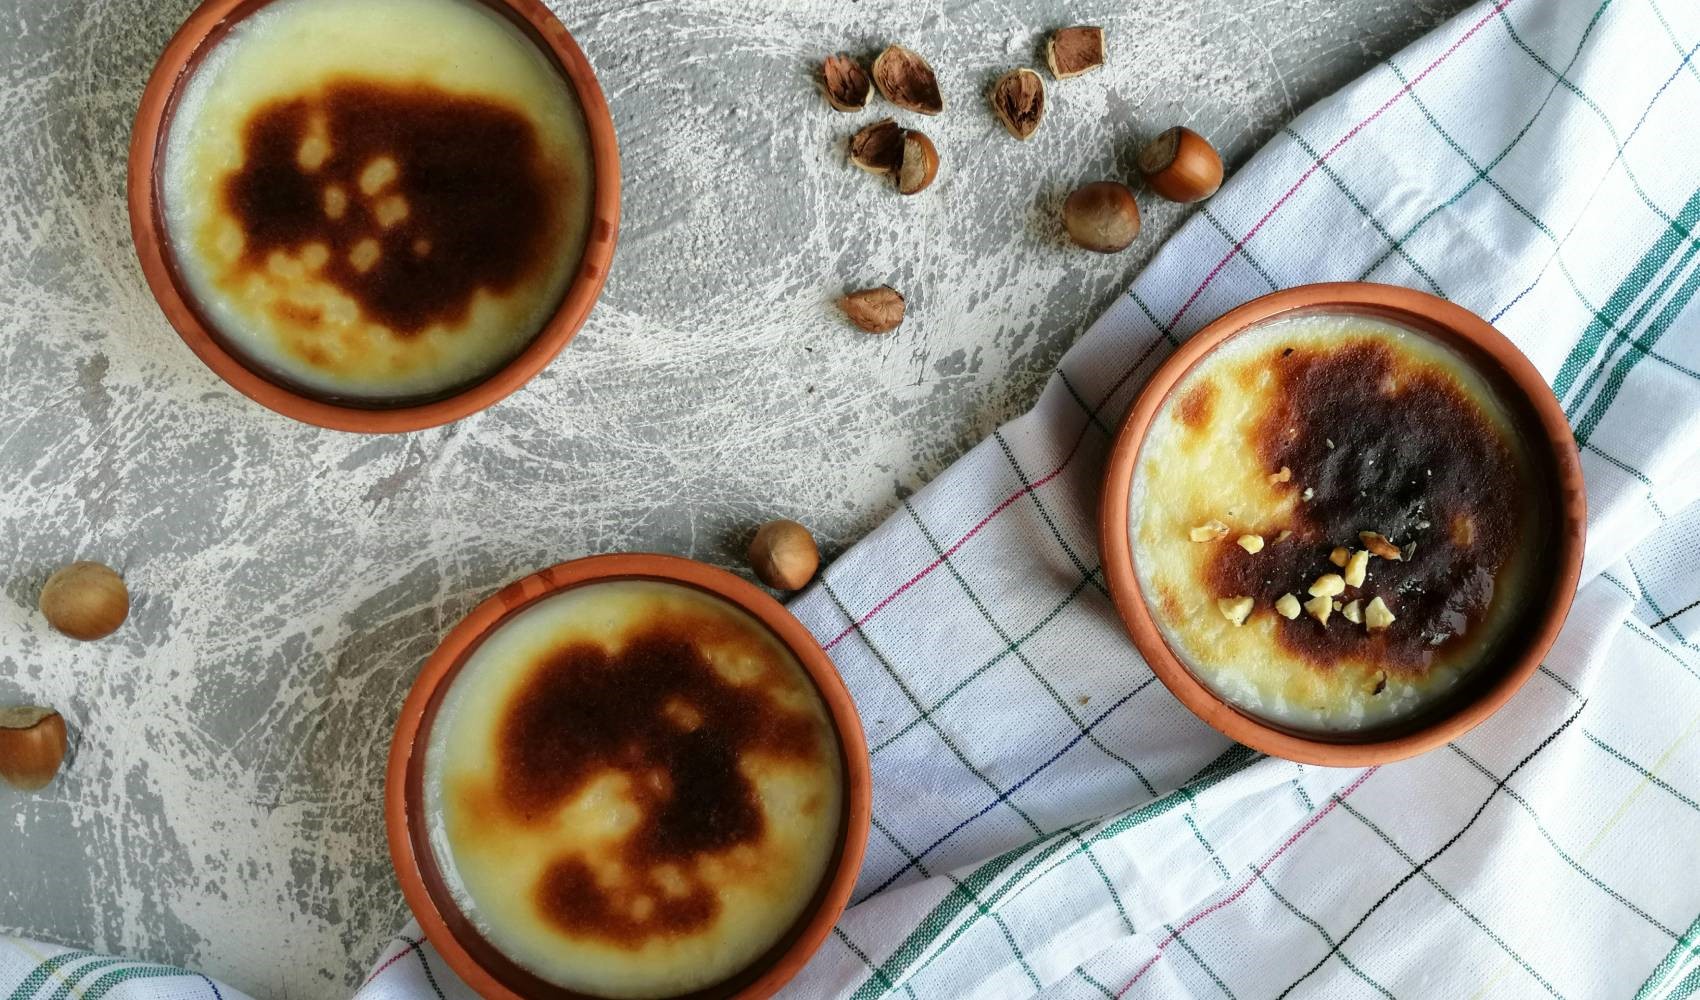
(633, 789)
(376, 200)
(1333, 521)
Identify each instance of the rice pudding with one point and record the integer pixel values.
(633, 789)
(379, 201)
(1333, 521)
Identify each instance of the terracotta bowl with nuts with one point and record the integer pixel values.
(583, 720)
(1344, 522)
(299, 212)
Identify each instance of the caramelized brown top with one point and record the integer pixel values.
(421, 197)
(659, 713)
(1391, 446)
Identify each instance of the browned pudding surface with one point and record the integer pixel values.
(1386, 445)
(658, 712)
(1334, 520)
(640, 789)
(419, 198)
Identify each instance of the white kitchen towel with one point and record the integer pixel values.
(1048, 820)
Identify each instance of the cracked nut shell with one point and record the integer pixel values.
(1018, 100)
(906, 80)
(847, 85)
(919, 164)
(878, 148)
(1073, 51)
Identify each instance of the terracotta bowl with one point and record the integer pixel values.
(183, 54)
(474, 959)
(1533, 410)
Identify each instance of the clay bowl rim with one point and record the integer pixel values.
(203, 29)
(403, 774)
(1543, 424)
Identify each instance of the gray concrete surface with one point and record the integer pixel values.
(222, 809)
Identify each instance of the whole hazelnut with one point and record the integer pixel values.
(1102, 216)
(783, 555)
(1181, 165)
(85, 600)
(33, 743)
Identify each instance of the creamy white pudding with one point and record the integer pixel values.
(376, 200)
(1333, 521)
(633, 789)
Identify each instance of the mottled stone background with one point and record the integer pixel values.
(222, 809)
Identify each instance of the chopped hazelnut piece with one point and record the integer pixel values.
(1287, 607)
(1340, 555)
(1328, 585)
(1235, 609)
(1378, 544)
(1353, 613)
(1307, 494)
(1377, 615)
(1337, 604)
(1320, 608)
(1357, 568)
(1251, 543)
(1280, 477)
(1283, 536)
(1209, 531)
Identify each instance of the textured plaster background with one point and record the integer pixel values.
(222, 809)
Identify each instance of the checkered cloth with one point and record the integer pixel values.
(1049, 821)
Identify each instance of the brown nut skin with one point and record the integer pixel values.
(1073, 51)
(85, 600)
(905, 79)
(920, 163)
(1181, 165)
(1018, 100)
(1102, 216)
(783, 555)
(874, 310)
(846, 84)
(33, 743)
(878, 148)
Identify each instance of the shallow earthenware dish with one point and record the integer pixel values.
(207, 26)
(474, 959)
(1537, 416)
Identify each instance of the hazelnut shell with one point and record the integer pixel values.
(1073, 51)
(906, 80)
(847, 85)
(919, 165)
(878, 148)
(1018, 100)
